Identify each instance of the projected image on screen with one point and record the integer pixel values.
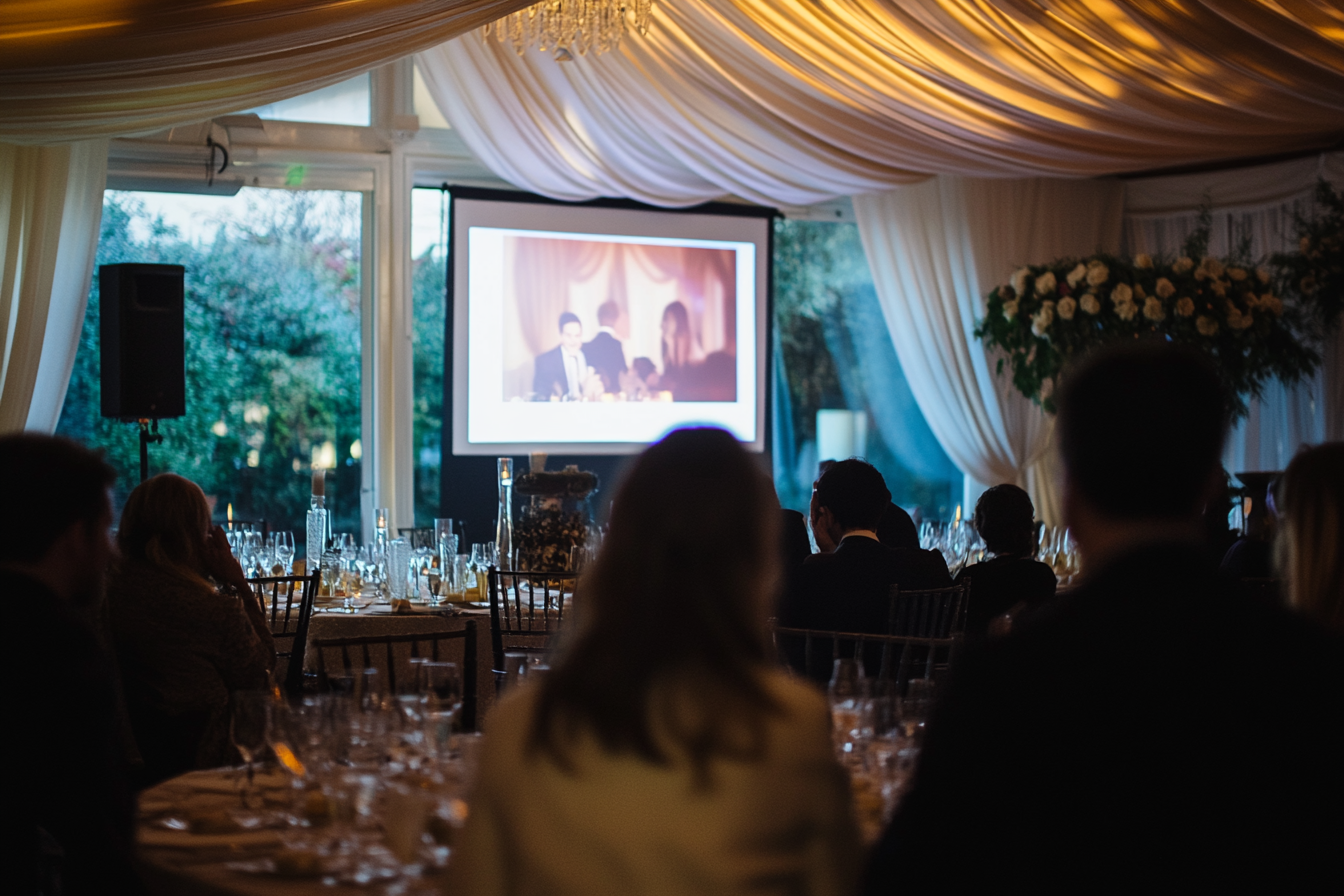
(595, 330)
(603, 320)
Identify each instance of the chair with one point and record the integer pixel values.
(526, 619)
(292, 621)
(419, 537)
(392, 662)
(926, 656)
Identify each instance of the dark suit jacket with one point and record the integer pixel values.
(848, 590)
(550, 375)
(64, 725)
(605, 355)
(1000, 584)
(1155, 732)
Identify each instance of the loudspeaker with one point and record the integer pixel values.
(143, 353)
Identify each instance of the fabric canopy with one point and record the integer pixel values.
(794, 102)
(73, 69)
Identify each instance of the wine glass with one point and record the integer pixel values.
(248, 730)
(284, 551)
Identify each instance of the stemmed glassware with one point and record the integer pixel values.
(248, 730)
(284, 551)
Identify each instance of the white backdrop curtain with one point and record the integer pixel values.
(936, 249)
(1259, 205)
(51, 203)
(793, 102)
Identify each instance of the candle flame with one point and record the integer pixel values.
(958, 519)
(288, 759)
(230, 514)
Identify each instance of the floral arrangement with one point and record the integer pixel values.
(1049, 314)
(556, 483)
(555, 519)
(1313, 276)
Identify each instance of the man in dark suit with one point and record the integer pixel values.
(847, 589)
(1154, 731)
(563, 372)
(71, 805)
(604, 352)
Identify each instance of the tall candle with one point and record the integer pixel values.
(230, 509)
(319, 482)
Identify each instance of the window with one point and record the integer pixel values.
(837, 355)
(344, 103)
(273, 337)
(425, 107)
(429, 270)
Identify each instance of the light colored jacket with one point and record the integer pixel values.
(622, 825)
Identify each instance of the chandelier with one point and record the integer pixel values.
(559, 26)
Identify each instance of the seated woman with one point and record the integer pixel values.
(664, 752)
(183, 642)
(1310, 546)
(1011, 582)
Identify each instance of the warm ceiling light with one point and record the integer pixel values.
(559, 26)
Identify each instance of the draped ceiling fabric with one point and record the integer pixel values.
(793, 102)
(74, 69)
(936, 249)
(51, 202)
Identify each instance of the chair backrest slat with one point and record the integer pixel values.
(523, 613)
(295, 621)
(467, 635)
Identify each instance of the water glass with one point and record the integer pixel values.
(442, 684)
(248, 729)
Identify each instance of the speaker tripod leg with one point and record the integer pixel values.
(145, 439)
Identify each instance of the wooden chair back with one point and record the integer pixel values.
(903, 657)
(392, 655)
(419, 537)
(289, 606)
(526, 609)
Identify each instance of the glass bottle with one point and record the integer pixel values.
(317, 524)
(504, 520)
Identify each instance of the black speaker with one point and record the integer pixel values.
(143, 353)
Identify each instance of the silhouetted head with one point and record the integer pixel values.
(165, 523)
(676, 333)
(571, 331)
(1141, 427)
(608, 313)
(1310, 547)
(49, 484)
(855, 494)
(1005, 519)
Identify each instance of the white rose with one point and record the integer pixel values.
(1239, 321)
(1043, 319)
(1212, 266)
(1185, 306)
(1066, 307)
(1206, 326)
(1143, 261)
(1019, 280)
(1126, 310)
(1122, 294)
(1090, 304)
(1097, 273)
(1237, 273)
(1272, 303)
(1182, 264)
(1152, 309)
(1077, 274)
(1163, 288)
(1010, 309)
(1045, 284)
(1262, 274)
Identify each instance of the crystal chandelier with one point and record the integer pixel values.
(560, 26)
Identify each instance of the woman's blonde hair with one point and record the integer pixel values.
(164, 524)
(1310, 549)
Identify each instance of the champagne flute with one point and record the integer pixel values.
(248, 730)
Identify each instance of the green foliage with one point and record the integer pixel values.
(428, 295)
(272, 362)
(1051, 314)
(1313, 276)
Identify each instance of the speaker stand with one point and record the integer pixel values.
(145, 439)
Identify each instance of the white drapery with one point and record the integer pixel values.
(1259, 205)
(51, 203)
(936, 249)
(106, 68)
(793, 102)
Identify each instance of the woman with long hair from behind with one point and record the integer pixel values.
(1310, 544)
(665, 752)
(186, 627)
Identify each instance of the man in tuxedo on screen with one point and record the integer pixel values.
(604, 352)
(563, 372)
